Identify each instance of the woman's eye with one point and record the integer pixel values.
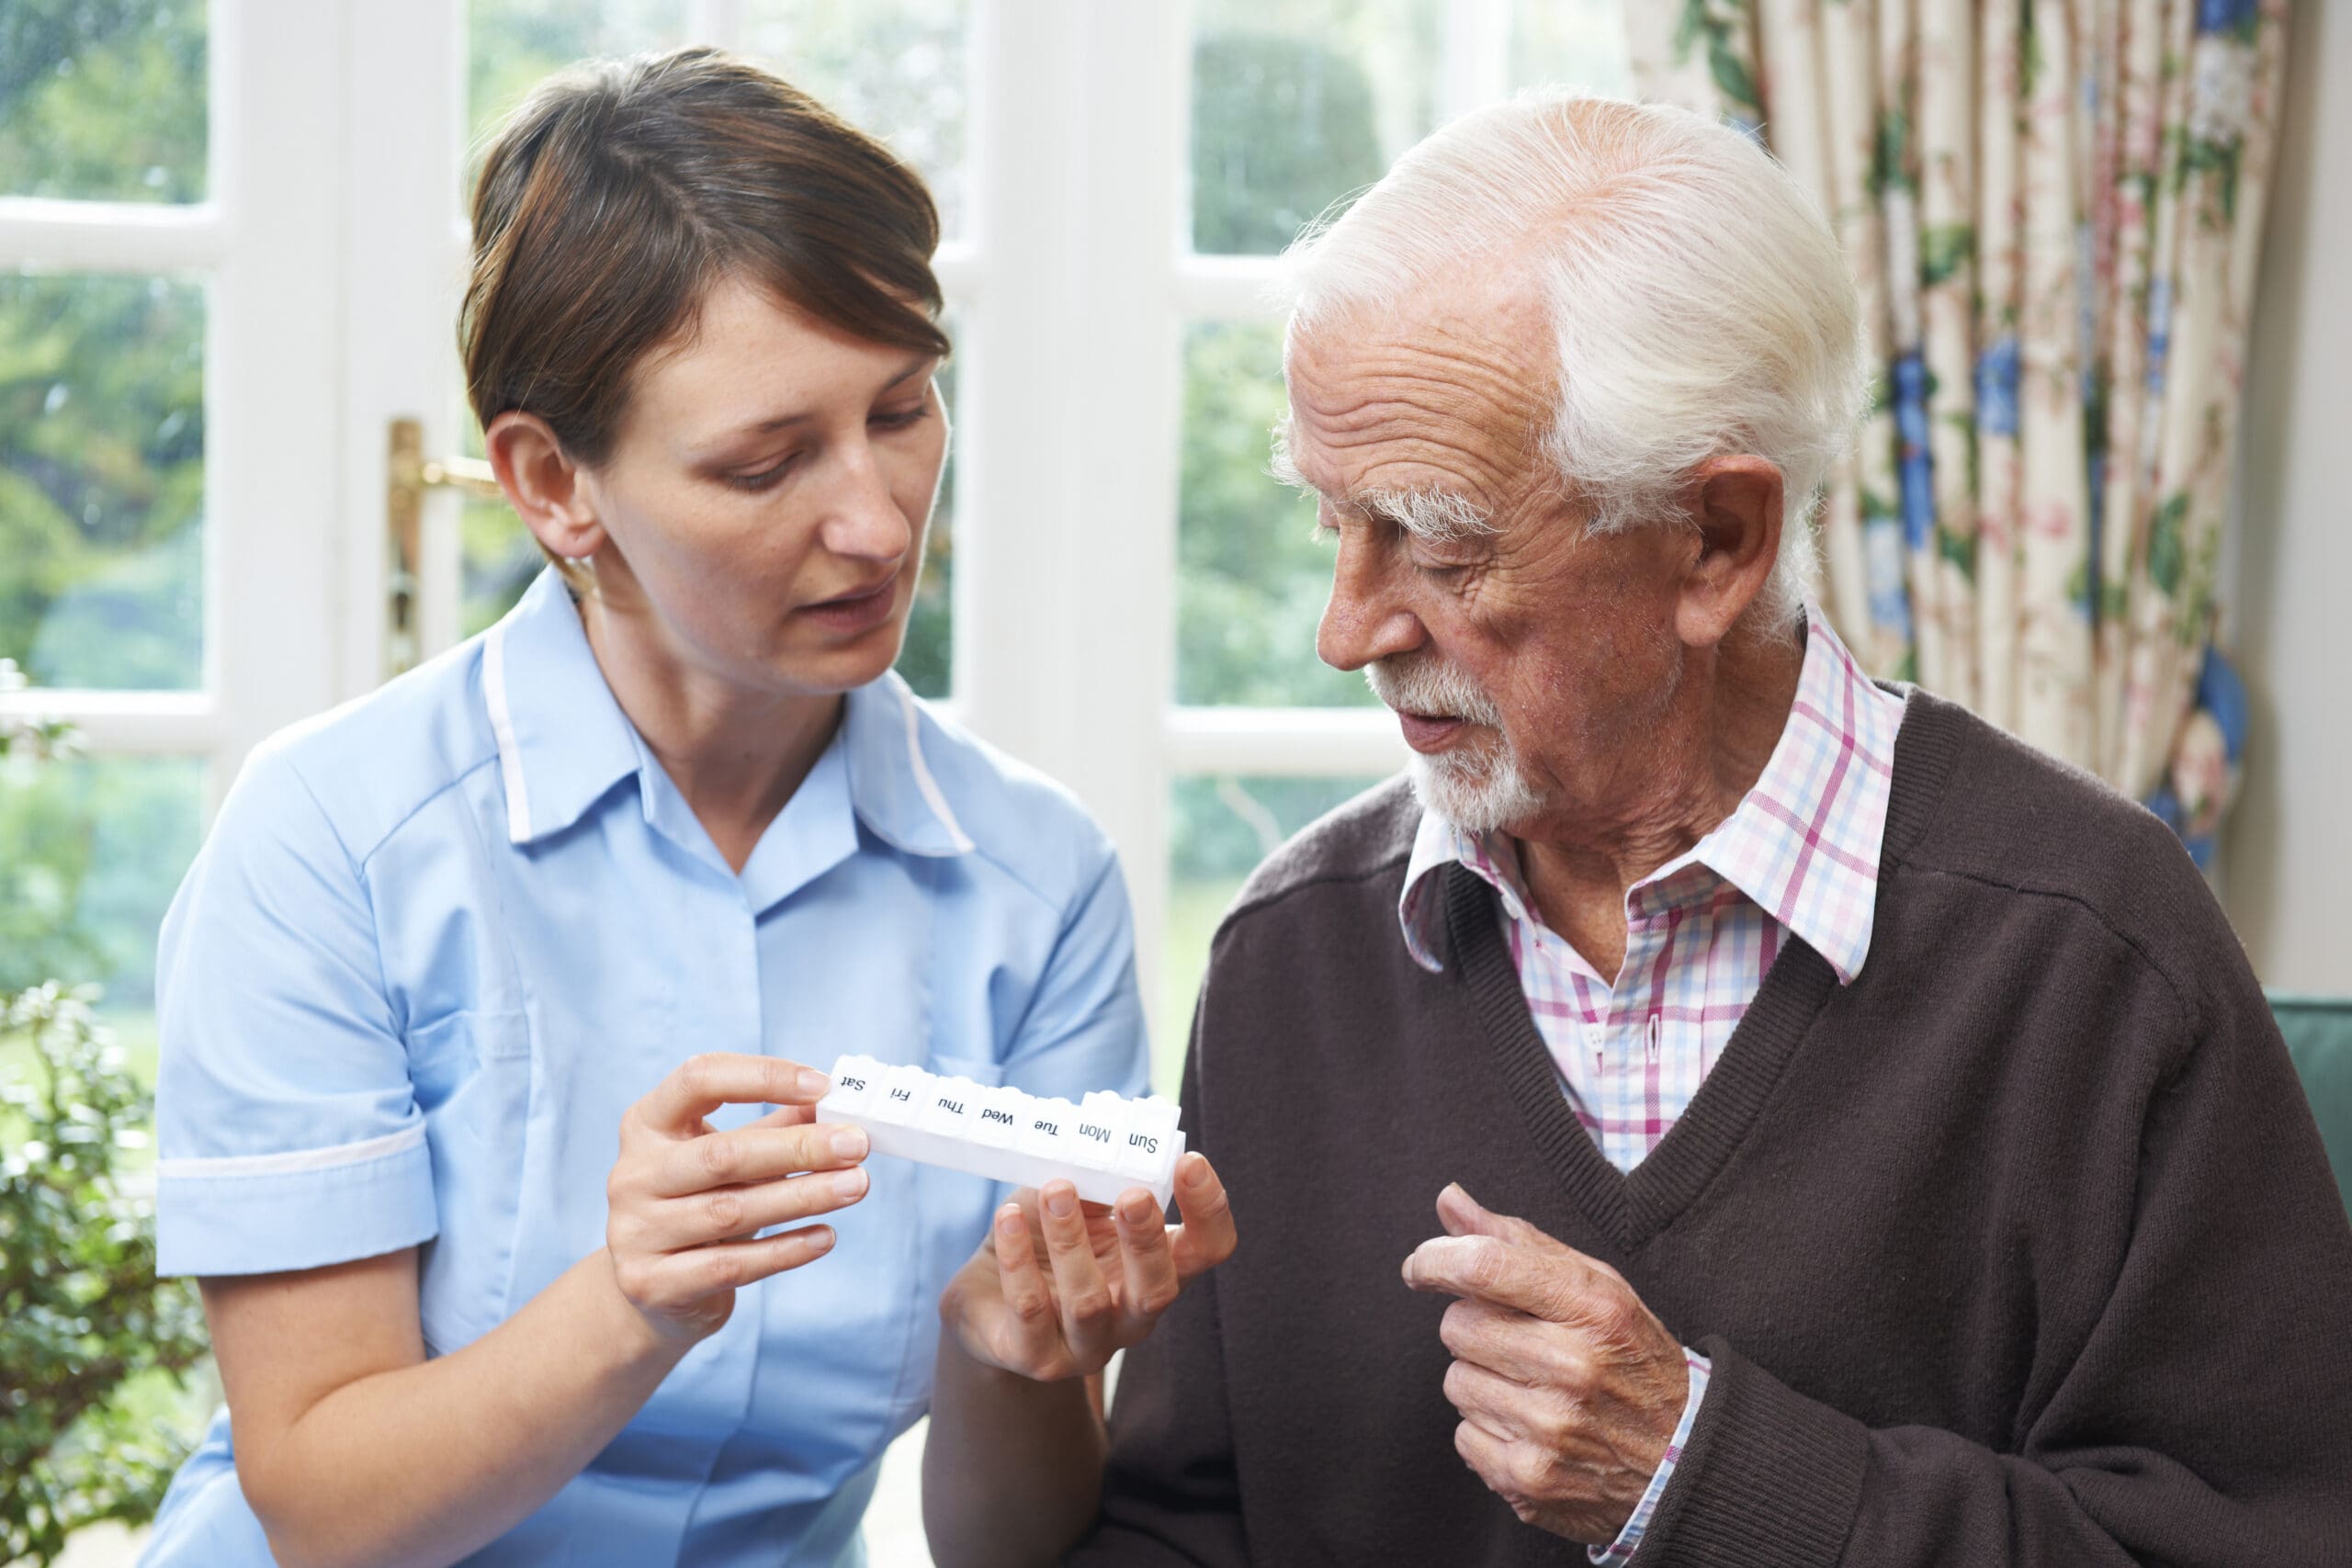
(904, 417)
(765, 478)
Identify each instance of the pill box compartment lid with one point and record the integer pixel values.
(1003, 1113)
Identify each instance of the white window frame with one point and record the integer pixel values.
(335, 252)
(269, 268)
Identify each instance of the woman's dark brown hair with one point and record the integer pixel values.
(614, 197)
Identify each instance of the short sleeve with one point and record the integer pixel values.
(1083, 1028)
(288, 1134)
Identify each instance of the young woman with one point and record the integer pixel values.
(495, 1006)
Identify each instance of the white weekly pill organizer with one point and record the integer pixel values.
(1103, 1144)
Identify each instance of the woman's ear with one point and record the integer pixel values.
(1738, 504)
(544, 484)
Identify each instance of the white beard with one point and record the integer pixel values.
(1476, 795)
(1473, 792)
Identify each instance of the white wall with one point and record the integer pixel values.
(2286, 863)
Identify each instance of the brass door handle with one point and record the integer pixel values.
(409, 473)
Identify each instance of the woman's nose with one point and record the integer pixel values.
(864, 520)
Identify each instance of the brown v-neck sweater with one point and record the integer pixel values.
(2020, 1249)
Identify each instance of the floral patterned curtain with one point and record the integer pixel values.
(2054, 209)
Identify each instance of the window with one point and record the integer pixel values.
(156, 482)
(1296, 106)
(1115, 591)
(231, 242)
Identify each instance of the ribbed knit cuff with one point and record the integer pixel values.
(1771, 1479)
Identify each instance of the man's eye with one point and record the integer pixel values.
(1439, 565)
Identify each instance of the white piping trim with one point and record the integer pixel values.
(502, 725)
(294, 1160)
(923, 780)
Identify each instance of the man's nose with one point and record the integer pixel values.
(1365, 619)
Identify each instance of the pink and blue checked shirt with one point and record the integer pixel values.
(1799, 856)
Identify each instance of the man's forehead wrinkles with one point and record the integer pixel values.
(1391, 445)
(1405, 464)
(1439, 382)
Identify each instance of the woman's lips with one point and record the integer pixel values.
(1429, 731)
(856, 613)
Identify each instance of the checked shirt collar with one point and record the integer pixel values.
(1803, 842)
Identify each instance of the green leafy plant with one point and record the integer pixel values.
(88, 1334)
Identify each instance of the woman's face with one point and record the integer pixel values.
(764, 499)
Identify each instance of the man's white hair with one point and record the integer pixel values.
(1697, 297)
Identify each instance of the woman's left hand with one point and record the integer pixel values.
(1061, 1284)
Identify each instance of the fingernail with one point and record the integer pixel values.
(1196, 1170)
(849, 1183)
(822, 1239)
(1061, 1202)
(849, 1142)
(1136, 1210)
(1008, 1219)
(813, 1084)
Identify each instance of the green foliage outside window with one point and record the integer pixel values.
(88, 1335)
(103, 100)
(102, 480)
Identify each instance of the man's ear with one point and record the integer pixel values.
(545, 485)
(1735, 503)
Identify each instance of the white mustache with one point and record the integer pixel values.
(1418, 683)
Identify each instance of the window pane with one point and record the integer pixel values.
(1253, 574)
(103, 100)
(1218, 830)
(1297, 103)
(517, 43)
(1572, 43)
(896, 68)
(91, 852)
(500, 559)
(102, 480)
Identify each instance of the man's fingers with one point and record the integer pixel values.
(1464, 1215)
(700, 1085)
(1487, 1452)
(1502, 1339)
(1084, 1296)
(1031, 1327)
(1207, 1237)
(1555, 1286)
(1146, 1261)
(754, 1153)
(1496, 1403)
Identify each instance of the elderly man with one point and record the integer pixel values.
(1854, 1139)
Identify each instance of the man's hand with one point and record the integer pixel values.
(1569, 1390)
(1059, 1284)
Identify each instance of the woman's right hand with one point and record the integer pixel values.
(685, 1201)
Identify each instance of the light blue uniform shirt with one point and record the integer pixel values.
(441, 939)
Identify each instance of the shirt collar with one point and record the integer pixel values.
(1803, 842)
(562, 739)
(891, 738)
(563, 742)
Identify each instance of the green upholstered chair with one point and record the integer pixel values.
(2319, 1036)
